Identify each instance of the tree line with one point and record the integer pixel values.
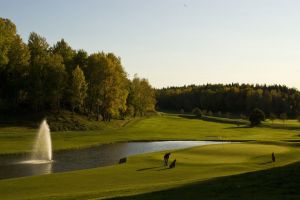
(235, 99)
(36, 77)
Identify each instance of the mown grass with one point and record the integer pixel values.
(276, 184)
(144, 176)
(289, 124)
(164, 127)
(145, 173)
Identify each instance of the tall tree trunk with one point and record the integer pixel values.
(98, 113)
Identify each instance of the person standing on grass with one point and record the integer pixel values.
(273, 157)
(166, 158)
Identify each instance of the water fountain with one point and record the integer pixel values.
(42, 149)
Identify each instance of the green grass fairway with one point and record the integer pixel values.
(276, 184)
(164, 127)
(215, 169)
(145, 173)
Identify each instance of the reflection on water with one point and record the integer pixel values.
(12, 166)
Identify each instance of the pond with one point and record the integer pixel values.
(11, 166)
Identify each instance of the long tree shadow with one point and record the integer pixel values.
(265, 163)
(148, 168)
(236, 122)
(163, 169)
(186, 116)
(239, 127)
(276, 183)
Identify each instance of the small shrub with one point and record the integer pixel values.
(197, 112)
(256, 117)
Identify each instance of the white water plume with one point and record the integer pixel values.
(42, 150)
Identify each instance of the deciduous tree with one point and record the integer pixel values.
(256, 117)
(78, 88)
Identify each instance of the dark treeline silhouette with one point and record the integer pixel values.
(238, 99)
(36, 77)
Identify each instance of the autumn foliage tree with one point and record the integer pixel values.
(37, 77)
(141, 97)
(78, 89)
(14, 66)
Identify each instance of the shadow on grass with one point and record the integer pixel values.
(291, 140)
(276, 183)
(265, 163)
(148, 168)
(186, 116)
(238, 122)
(239, 127)
(163, 169)
(215, 119)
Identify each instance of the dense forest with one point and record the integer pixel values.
(234, 99)
(37, 77)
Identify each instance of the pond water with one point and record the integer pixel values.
(11, 166)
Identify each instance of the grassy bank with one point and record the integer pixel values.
(62, 121)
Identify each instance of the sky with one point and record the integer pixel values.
(176, 42)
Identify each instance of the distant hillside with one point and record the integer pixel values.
(62, 121)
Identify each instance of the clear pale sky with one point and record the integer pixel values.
(176, 42)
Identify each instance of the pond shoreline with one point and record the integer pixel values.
(121, 141)
(13, 166)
